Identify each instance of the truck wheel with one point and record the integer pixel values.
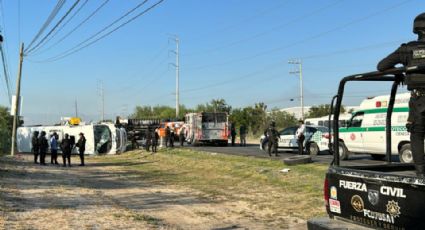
(301, 159)
(377, 156)
(343, 151)
(313, 149)
(405, 154)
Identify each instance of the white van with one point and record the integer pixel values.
(365, 131)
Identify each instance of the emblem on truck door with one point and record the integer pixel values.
(357, 203)
(373, 196)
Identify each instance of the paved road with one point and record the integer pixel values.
(253, 150)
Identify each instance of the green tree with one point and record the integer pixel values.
(216, 105)
(283, 119)
(5, 129)
(321, 110)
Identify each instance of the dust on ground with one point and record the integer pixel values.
(102, 195)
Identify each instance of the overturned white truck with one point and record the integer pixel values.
(100, 138)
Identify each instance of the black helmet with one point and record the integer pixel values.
(419, 23)
(273, 123)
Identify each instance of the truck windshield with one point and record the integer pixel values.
(214, 117)
(102, 139)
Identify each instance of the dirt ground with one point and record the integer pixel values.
(102, 195)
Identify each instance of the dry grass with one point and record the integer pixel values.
(223, 177)
(173, 189)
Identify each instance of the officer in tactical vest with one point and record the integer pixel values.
(413, 54)
(273, 137)
(35, 146)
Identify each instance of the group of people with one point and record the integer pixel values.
(152, 140)
(40, 147)
(170, 135)
(273, 138)
(242, 134)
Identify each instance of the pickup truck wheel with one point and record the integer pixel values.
(377, 156)
(301, 159)
(405, 154)
(343, 151)
(313, 149)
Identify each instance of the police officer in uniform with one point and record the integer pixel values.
(273, 137)
(35, 146)
(155, 138)
(167, 136)
(66, 147)
(43, 145)
(413, 54)
(148, 139)
(81, 144)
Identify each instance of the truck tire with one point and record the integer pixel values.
(405, 154)
(343, 151)
(377, 156)
(295, 160)
(313, 149)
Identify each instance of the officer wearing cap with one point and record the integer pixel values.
(273, 136)
(413, 54)
(44, 146)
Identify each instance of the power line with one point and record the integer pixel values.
(258, 35)
(76, 27)
(81, 45)
(308, 38)
(29, 50)
(63, 25)
(49, 19)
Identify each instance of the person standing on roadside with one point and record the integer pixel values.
(182, 131)
(242, 135)
(148, 139)
(233, 133)
(66, 147)
(300, 137)
(54, 149)
(155, 138)
(35, 146)
(44, 146)
(81, 144)
(273, 138)
(167, 136)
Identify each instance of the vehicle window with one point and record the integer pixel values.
(323, 129)
(289, 131)
(321, 123)
(356, 120)
(311, 130)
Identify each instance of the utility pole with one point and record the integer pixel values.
(76, 108)
(102, 100)
(300, 73)
(18, 95)
(177, 66)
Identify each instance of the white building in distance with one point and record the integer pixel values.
(296, 111)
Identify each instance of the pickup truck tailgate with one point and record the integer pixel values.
(385, 201)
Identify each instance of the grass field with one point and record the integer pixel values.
(172, 189)
(298, 193)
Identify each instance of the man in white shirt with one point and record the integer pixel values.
(300, 137)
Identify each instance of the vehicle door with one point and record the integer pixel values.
(287, 138)
(352, 135)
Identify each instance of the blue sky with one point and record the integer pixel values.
(232, 49)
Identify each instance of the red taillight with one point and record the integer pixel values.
(326, 135)
(326, 191)
(378, 104)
